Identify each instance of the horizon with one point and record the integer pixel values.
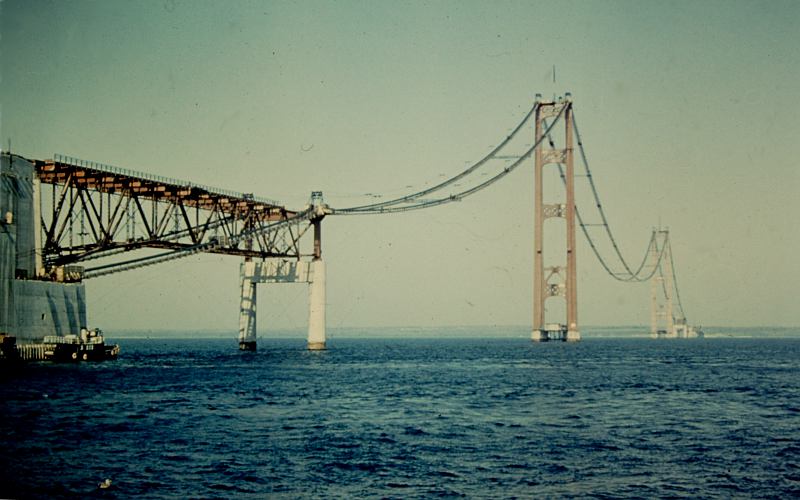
(451, 332)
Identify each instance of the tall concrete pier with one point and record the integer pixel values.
(287, 271)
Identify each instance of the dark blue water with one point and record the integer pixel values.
(713, 418)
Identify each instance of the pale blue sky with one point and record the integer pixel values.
(689, 112)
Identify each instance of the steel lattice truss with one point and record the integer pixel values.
(92, 211)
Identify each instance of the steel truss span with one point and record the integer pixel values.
(94, 211)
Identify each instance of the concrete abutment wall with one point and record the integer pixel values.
(30, 308)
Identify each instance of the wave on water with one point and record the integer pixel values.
(410, 418)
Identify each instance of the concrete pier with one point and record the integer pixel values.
(539, 336)
(247, 313)
(316, 306)
(282, 271)
(555, 331)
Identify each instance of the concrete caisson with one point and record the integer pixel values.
(31, 307)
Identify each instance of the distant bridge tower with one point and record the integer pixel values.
(661, 285)
(288, 271)
(559, 281)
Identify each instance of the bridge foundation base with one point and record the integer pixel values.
(247, 346)
(316, 346)
(281, 271)
(555, 332)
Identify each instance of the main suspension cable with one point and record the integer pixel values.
(629, 276)
(370, 208)
(383, 208)
(597, 198)
(675, 281)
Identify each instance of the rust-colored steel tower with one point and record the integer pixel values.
(559, 281)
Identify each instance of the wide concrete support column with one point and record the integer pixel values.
(247, 313)
(316, 306)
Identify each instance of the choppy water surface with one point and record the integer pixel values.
(713, 418)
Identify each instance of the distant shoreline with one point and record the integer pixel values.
(465, 332)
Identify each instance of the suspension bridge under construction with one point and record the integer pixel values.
(66, 220)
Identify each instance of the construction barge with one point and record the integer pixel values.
(89, 346)
(42, 310)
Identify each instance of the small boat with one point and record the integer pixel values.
(88, 346)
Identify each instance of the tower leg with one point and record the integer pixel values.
(316, 307)
(654, 294)
(573, 335)
(247, 313)
(538, 333)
